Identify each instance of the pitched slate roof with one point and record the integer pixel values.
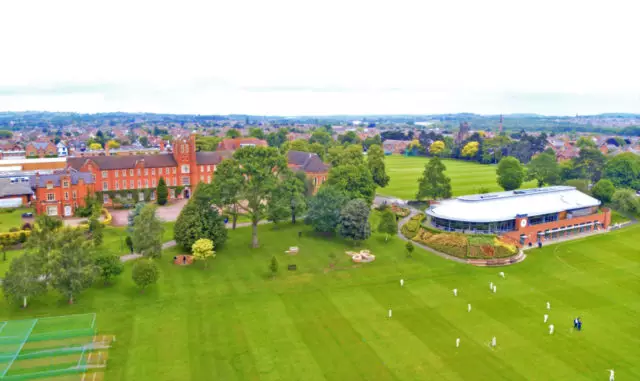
(125, 162)
(56, 177)
(7, 188)
(212, 157)
(41, 145)
(308, 162)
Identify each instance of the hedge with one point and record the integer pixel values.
(412, 227)
(20, 236)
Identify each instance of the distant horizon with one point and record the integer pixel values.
(355, 115)
(353, 57)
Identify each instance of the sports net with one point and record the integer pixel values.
(51, 347)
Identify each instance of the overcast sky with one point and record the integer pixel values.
(297, 57)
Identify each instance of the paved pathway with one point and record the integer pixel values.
(172, 243)
(403, 221)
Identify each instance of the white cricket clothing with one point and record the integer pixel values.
(548, 305)
(493, 342)
(390, 313)
(495, 288)
(502, 274)
(612, 375)
(550, 329)
(457, 342)
(546, 317)
(455, 292)
(468, 307)
(401, 282)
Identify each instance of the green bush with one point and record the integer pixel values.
(411, 228)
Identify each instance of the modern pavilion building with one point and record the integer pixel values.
(524, 216)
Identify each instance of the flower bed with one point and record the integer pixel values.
(464, 246)
(412, 227)
(399, 211)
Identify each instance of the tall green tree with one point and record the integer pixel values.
(144, 273)
(434, 184)
(227, 185)
(147, 232)
(375, 162)
(349, 155)
(369, 141)
(43, 237)
(354, 221)
(585, 142)
(276, 139)
(624, 170)
(109, 266)
(197, 220)
(23, 279)
(260, 167)
(589, 164)
(625, 200)
(163, 192)
(207, 143)
(603, 190)
(135, 212)
(349, 137)
(292, 188)
(324, 209)
(233, 133)
(257, 133)
(510, 173)
(96, 229)
(71, 266)
(322, 137)
(544, 169)
(388, 225)
(355, 180)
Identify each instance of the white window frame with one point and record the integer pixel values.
(51, 196)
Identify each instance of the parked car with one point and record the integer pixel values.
(27, 215)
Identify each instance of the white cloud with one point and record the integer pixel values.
(320, 57)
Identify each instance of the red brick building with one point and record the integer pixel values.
(62, 192)
(135, 177)
(317, 171)
(125, 175)
(41, 149)
(523, 217)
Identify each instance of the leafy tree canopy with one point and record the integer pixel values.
(510, 173)
(354, 220)
(434, 184)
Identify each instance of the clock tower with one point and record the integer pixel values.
(184, 152)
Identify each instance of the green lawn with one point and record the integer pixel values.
(12, 219)
(466, 177)
(233, 322)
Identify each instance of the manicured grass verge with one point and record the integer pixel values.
(234, 322)
(466, 177)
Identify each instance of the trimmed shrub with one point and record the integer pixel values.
(411, 228)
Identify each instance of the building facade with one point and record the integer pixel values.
(62, 192)
(135, 177)
(41, 149)
(121, 178)
(524, 217)
(310, 163)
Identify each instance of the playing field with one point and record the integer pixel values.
(232, 322)
(466, 177)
